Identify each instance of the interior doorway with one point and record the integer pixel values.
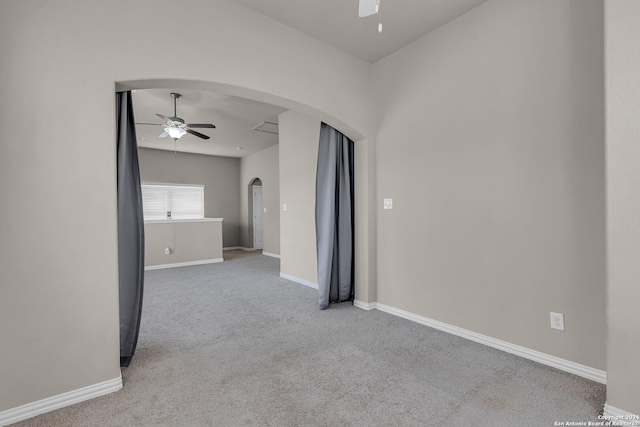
(365, 182)
(247, 238)
(258, 211)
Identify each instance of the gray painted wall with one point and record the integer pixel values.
(299, 137)
(263, 165)
(623, 203)
(490, 144)
(189, 241)
(220, 176)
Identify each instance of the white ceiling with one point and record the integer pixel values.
(335, 22)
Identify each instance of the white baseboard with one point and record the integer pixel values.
(298, 280)
(364, 305)
(527, 353)
(270, 254)
(623, 418)
(238, 248)
(184, 264)
(49, 404)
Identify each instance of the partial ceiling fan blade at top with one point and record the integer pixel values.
(201, 125)
(198, 134)
(368, 7)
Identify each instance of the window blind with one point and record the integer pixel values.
(183, 201)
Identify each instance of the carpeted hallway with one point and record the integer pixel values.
(233, 344)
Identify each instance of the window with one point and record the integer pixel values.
(183, 201)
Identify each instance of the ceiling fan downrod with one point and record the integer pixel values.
(175, 96)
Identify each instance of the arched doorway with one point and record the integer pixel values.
(255, 205)
(365, 273)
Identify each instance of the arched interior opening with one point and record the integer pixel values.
(290, 255)
(254, 214)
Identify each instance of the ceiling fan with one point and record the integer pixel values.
(175, 127)
(368, 8)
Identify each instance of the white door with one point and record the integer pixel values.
(257, 217)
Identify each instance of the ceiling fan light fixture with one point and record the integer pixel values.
(175, 133)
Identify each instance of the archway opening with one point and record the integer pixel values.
(255, 207)
(365, 276)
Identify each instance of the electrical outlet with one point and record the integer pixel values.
(388, 203)
(557, 321)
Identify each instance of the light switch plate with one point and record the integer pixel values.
(388, 203)
(284, 206)
(265, 209)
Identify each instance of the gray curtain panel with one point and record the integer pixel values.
(130, 229)
(334, 217)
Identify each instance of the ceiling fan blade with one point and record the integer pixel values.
(201, 125)
(198, 134)
(165, 118)
(368, 7)
(152, 124)
(163, 135)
